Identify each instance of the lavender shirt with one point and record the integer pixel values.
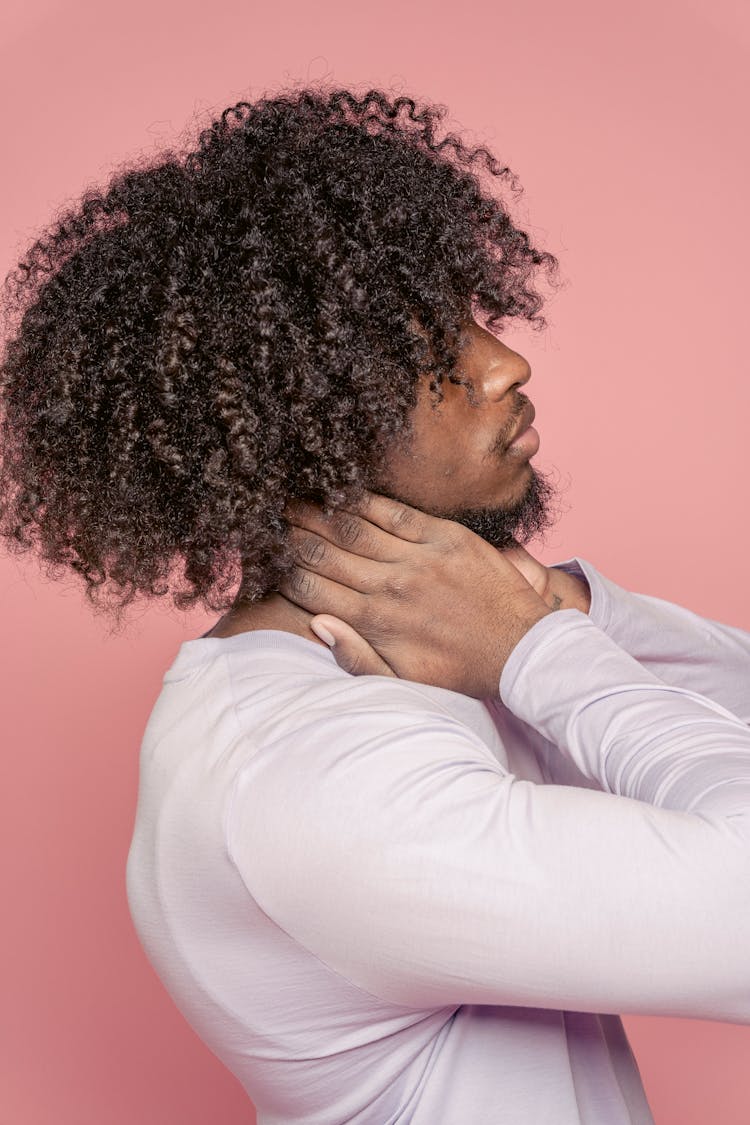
(382, 902)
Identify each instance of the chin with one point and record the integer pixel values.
(516, 522)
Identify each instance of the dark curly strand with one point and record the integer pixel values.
(225, 330)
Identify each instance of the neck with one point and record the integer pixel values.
(272, 612)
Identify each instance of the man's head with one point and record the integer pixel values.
(289, 310)
(460, 458)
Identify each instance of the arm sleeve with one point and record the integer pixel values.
(402, 854)
(677, 645)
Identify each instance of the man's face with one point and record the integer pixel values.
(460, 463)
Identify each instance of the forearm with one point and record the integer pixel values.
(681, 647)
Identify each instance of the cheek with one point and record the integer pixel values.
(467, 453)
(464, 471)
(448, 452)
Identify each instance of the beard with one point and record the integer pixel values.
(503, 526)
(516, 524)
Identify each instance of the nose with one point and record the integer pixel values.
(504, 374)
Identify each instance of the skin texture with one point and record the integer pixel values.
(455, 463)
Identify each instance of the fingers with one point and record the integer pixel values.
(392, 517)
(358, 572)
(318, 594)
(313, 531)
(535, 573)
(351, 651)
(395, 518)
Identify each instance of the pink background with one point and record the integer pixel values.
(627, 126)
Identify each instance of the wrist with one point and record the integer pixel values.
(567, 591)
(514, 629)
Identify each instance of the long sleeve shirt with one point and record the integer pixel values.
(381, 902)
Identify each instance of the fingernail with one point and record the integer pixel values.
(323, 633)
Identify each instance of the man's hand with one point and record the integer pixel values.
(556, 588)
(535, 573)
(411, 595)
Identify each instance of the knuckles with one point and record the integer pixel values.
(312, 550)
(303, 584)
(348, 529)
(401, 517)
(396, 588)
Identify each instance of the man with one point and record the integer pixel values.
(470, 905)
(416, 880)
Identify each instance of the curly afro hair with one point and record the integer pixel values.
(238, 325)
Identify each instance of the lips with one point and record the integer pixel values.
(528, 416)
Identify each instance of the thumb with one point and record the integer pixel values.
(351, 651)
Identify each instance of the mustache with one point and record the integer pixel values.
(520, 402)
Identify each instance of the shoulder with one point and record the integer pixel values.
(301, 693)
(365, 754)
